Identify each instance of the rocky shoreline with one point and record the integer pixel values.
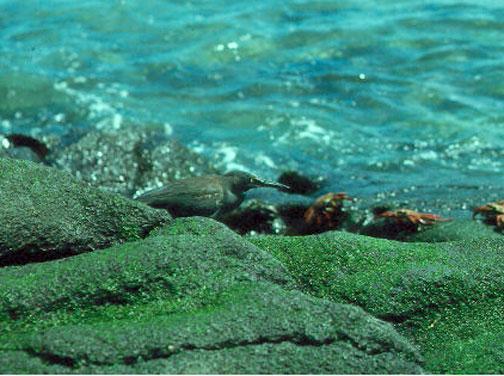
(94, 282)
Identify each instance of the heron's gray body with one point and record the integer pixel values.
(204, 195)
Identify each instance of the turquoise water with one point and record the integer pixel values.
(388, 100)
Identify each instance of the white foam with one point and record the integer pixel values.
(6, 124)
(58, 118)
(309, 129)
(226, 158)
(232, 45)
(106, 114)
(168, 129)
(264, 159)
(117, 121)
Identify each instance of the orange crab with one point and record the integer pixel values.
(407, 216)
(493, 213)
(326, 210)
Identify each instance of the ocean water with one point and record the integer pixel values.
(397, 101)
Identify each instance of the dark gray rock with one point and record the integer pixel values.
(47, 214)
(255, 217)
(18, 146)
(130, 160)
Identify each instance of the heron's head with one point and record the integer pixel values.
(243, 181)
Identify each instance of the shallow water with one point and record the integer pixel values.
(393, 100)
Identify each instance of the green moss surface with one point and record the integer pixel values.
(193, 297)
(456, 230)
(47, 214)
(426, 290)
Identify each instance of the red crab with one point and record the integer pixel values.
(407, 216)
(326, 210)
(493, 213)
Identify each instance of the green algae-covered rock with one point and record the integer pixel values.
(460, 229)
(446, 297)
(453, 231)
(47, 214)
(193, 297)
(258, 328)
(169, 266)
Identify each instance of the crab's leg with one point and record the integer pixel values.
(500, 220)
(415, 219)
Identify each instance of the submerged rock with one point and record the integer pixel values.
(193, 297)
(47, 214)
(130, 160)
(18, 146)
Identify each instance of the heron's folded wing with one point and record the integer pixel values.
(183, 194)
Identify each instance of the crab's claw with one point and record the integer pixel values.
(386, 214)
(479, 210)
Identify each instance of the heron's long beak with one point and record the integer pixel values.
(272, 184)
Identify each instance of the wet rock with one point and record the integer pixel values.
(193, 297)
(112, 161)
(268, 211)
(18, 146)
(457, 230)
(461, 229)
(395, 224)
(298, 183)
(385, 229)
(47, 214)
(293, 217)
(130, 161)
(255, 217)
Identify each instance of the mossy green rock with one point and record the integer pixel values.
(193, 297)
(460, 229)
(457, 230)
(47, 214)
(448, 298)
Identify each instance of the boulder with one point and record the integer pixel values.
(445, 297)
(258, 328)
(48, 214)
(459, 229)
(193, 297)
(130, 160)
